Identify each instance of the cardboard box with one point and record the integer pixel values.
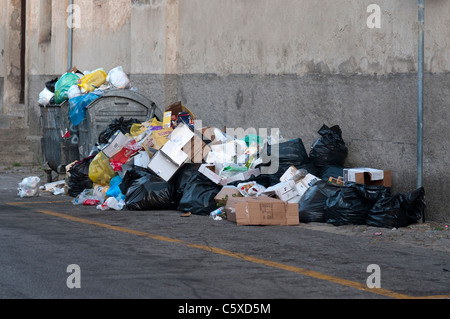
(181, 135)
(167, 120)
(142, 159)
(166, 162)
(261, 211)
(284, 191)
(156, 139)
(163, 166)
(209, 171)
(302, 185)
(368, 176)
(117, 142)
(226, 193)
(125, 153)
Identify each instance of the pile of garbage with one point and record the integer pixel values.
(82, 88)
(174, 164)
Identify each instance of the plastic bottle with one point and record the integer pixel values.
(215, 213)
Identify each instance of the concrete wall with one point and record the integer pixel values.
(289, 64)
(10, 26)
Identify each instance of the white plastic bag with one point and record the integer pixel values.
(89, 197)
(45, 96)
(74, 91)
(112, 203)
(29, 187)
(118, 79)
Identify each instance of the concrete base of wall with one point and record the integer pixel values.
(377, 115)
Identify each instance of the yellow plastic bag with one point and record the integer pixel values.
(92, 81)
(155, 122)
(137, 129)
(100, 170)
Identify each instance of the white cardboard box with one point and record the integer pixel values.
(118, 141)
(369, 176)
(304, 184)
(209, 171)
(285, 191)
(163, 166)
(166, 162)
(141, 159)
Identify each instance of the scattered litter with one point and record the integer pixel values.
(112, 203)
(29, 187)
(89, 197)
(218, 214)
(377, 234)
(55, 188)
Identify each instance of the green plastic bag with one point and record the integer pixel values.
(63, 85)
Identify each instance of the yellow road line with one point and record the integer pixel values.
(256, 260)
(38, 202)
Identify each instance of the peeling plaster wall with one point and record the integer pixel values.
(10, 54)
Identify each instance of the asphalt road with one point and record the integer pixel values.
(162, 255)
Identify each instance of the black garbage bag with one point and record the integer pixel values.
(50, 85)
(290, 153)
(78, 179)
(116, 125)
(326, 172)
(351, 204)
(330, 148)
(130, 176)
(181, 178)
(198, 195)
(149, 192)
(312, 205)
(399, 210)
(265, 180)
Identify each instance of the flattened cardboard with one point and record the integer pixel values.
(263, 211)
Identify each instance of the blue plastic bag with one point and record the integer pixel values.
(78, 105)
(114, 189)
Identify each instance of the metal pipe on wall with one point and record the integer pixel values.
(70, 39)
(420, 97)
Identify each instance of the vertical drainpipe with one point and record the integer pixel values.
(420, 98)
(70, 29)
(23, 43)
